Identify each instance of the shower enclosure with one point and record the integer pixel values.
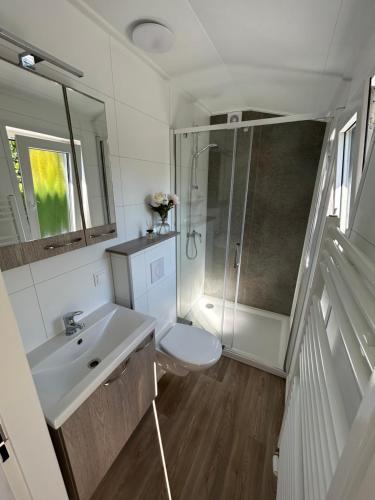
(245, 194)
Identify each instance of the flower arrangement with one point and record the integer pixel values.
(162, 203)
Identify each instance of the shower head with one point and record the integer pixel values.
(194, 180)
(198, 153)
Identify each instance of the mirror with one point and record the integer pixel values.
(38, 191)
(55, 184)
(90, 135)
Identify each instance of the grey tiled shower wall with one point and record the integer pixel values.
(283, 167)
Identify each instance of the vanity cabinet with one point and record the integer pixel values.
(88, 443)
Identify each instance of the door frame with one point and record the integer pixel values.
(32, 470)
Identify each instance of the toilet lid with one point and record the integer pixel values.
(191, 345)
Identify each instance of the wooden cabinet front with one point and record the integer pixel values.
(90, 440)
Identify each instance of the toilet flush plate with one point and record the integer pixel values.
(157, 270)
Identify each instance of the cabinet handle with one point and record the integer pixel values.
(62, 245)
(102, 234)
(111, 380)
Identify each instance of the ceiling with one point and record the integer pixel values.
(274, 55)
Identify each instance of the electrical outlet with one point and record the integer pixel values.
(99, 277)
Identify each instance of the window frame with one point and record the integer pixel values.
(345, 163)
(24, 144)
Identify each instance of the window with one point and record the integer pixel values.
(45, 178)
(341, 192)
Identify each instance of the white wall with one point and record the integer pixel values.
(32, 457)
(5, 492)
(141, 107)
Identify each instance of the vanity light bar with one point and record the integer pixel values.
(33, 55)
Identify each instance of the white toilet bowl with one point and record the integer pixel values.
(186, 348)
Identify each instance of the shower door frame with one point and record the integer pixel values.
(238, 258)
(324, 116)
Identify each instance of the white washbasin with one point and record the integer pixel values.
(60, 367)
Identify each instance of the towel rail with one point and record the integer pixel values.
(351, 345)
(336, 406)
(357, 258)
(318, 421)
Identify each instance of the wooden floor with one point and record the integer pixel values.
(219, 430)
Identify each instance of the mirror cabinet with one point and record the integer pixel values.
(55, 183)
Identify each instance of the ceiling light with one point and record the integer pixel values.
(152, 37)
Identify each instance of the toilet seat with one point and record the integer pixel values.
(192, 346)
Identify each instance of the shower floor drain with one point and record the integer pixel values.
(209, 306)
(93, 363)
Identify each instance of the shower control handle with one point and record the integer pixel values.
(236, 264)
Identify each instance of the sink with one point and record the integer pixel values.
(66, 370)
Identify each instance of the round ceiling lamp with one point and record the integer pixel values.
(152, 37)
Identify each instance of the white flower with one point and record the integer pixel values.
(174, 199)
(157, 199)
(151, 201)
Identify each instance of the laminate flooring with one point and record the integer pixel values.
(219, 429)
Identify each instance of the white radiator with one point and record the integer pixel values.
(338, 345)
(290, 484)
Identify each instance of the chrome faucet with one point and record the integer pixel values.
(71, 326)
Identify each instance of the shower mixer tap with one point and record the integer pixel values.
(193, 234)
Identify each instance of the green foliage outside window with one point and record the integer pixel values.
(48, 170)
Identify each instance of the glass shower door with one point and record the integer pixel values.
(237, 217)
(245, 199)
(204, 179)
(282, 173)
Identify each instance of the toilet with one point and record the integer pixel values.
(186, 348)
(144, 277)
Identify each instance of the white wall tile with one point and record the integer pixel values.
(116, 181)
(141, 136)
(73, 291)
(29, 318)
(18, 278)
(136, 220)
(138, 85)
(141, 178)
(46, 269)
(110, 111)
(120, 224)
